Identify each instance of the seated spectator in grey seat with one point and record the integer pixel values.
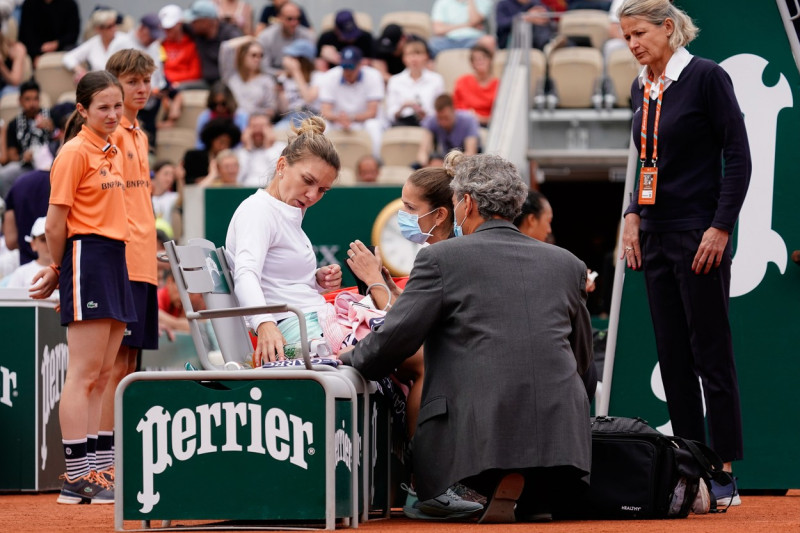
(208, 33)
(269, 15)
(345, 33)
(410, 95)
(280, 35)
(93, 53)
(460, 24)
(496, 308)
(533, 11)
(368, 168)
(448, 130)
(49, 26)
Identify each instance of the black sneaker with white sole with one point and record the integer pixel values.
(88, 489)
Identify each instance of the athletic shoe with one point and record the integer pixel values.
(471, 495)
(90, 488)
(726, 495)
(108, 474)
(446, 506)
(500, 509)
(702, 502)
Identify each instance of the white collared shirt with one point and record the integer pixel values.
(680, 58)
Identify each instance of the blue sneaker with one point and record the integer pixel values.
(726, 495)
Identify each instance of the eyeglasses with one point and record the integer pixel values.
(220, 103)
(106, 27)
(256, 54)
(291, 19)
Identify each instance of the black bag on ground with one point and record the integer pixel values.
(640, 473)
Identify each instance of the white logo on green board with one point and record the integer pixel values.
(8, 381)
(343, 448)
(53, 372)
(188, 432)
(757, 243)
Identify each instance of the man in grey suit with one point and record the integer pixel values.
(507, 341)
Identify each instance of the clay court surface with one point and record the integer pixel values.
(39, 513)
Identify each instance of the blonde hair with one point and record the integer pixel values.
(309, 140)
(658, 11)
(241, 55)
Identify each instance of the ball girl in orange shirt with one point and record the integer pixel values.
(86, 231)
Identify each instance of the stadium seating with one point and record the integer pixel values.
(351, 145)
(592, 24)
(51, 75)
(416, 22)
(399, 145)
(538, 64)
(452, 64)
(575, 72)
(195, 101)
(173, 143)
(622, 68)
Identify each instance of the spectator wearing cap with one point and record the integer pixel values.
(344, 33)
(23, 275)
(410, 94)
(208, 33)
(48, 26)
(269, 15)
(389, 50)
(448, 130)
(278, 36)
(460, 24)
(181, 61)
(299, 84)
(96, 50)
(350, 95)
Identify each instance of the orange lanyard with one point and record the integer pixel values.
(645, 111)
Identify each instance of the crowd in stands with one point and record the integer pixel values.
(233, 77)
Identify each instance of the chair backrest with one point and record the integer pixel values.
(416, 22)
(622, 69)
(591, 23)
(195, 101)
(351, 145)
(9, 107)
(347, 176)
(52, 76)
(394, 174)
(363, 21)
(399, 145)
(173, 143)
(200, 268)
(575, 71)
(452, 64)
(538, 63)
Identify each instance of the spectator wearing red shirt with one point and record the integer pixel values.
(476, 92)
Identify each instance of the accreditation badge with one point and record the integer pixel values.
(648, 178)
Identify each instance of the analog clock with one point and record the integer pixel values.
(396, 252)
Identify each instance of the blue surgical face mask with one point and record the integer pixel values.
(409, 226)
(457, 230)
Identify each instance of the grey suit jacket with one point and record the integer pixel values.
(506, 338)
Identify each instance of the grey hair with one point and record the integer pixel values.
(493, 183)
(656, 12)
(102, 17)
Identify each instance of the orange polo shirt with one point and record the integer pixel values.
(87, 177)
(141, 249)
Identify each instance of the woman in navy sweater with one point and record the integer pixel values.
(695, 172)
